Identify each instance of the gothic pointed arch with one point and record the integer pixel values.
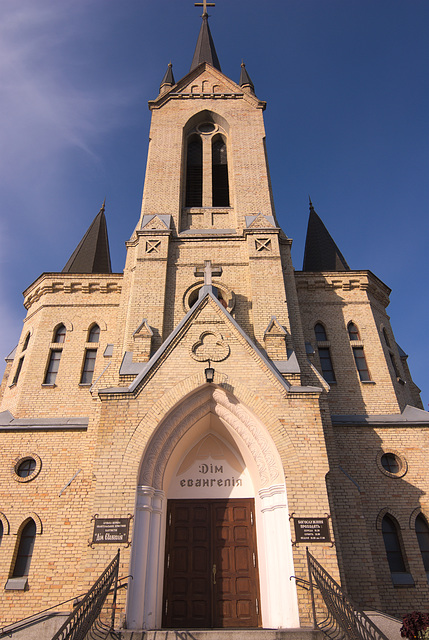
(232, 414)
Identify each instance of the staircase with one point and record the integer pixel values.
(221, 634)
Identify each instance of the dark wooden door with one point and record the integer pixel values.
(211, 573)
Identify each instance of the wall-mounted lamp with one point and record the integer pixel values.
(209, 372)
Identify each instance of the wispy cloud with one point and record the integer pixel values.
(45, 108)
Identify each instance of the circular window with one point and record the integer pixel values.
(26, 468)
(206, 127)
(225, 296)
(392, 464)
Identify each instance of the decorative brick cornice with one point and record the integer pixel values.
(52, 283)
(346, 281)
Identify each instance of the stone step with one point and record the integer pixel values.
(391, 627)
(220, 634)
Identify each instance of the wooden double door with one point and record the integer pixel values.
(211, 568)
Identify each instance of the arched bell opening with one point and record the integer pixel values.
(211, 452)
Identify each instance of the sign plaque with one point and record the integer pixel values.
(312, 530)
(111, 530)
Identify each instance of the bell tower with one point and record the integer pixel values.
(207, 196)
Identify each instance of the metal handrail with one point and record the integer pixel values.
(8, 629)
(344, 621)
(86, 615)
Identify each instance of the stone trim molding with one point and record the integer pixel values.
(29, 515)
(390, 512)
(413, 516)
(6, 525)
(187, 413)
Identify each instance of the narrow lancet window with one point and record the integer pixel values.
(324, 353)
(25, 550)
(194, 172)
(392, 545)
(220, 186)
(94, 333)
(422, 532)
(88, 366)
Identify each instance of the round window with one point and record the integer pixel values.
(225, 296)
(26, 468)
(206, 127)
(392, 464)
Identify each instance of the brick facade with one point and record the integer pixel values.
(269, 401)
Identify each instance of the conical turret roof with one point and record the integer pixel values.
(168, 76)
(245, 80)
(92, 254)
(205, 50)
(321, 253)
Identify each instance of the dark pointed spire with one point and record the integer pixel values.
(205, 50)
(92, 254)
(168, 79)
(245, 80)
(321, 253)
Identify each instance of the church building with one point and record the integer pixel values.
(211, 411)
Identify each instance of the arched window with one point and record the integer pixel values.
(422, 533)
(392, 545)
(358, 353)
(90, 356)
(353, 331)
(94, 333)
(194, 172)
(1, 531)
(25, 550)
(60, 334)
(220, 186)
(320, 333)
(206, 160)
(324, 353)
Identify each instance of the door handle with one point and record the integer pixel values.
(214, 574)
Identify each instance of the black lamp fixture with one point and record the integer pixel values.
(209, 372)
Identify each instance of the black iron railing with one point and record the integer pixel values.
(343, 620)
(85, 620)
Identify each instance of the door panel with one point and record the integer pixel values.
(211, 576)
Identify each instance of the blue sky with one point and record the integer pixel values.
(347, 87)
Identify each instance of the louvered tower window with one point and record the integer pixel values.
(194, 172)
(220, 186)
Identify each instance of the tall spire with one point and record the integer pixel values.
(92, 254)
(321, 253)
(205, 50)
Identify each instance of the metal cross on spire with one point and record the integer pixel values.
(204, 4)
(208, 271)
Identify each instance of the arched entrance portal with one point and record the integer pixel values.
(211, 542)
